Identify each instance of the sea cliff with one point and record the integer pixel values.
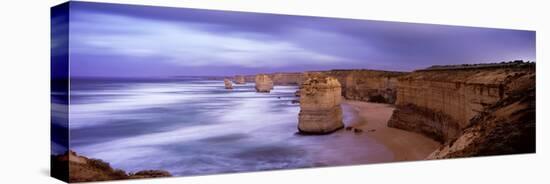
(440, 102)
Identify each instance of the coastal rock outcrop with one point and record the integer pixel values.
(280, 78)
(228, 84)
(71, 167)
(264, 84)
(285, 79)
(440, 102)
(363, 85)
(239, 79)
(507, 127)
(320, 110)
(366, 85)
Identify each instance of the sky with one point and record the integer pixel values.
(111, 40)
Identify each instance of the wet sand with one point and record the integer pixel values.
(372, 118)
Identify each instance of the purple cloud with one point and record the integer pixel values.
(125, 40)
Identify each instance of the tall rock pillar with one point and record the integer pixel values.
(320, 110)
(264, 84)
(228, 84)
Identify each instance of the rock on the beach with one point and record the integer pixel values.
(264, 84)
(239, 79)
(320, 110)
(228, 84)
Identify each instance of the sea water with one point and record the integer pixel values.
(194, 126)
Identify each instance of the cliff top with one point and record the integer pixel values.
(320, 81)
(504, 64)
(493, 73)
(365, 70)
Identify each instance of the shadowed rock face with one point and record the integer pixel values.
(320, 110)
(83, 169)
(228, 84)
(264, 84)
(507, 127)
(239, 79)
(440, 103)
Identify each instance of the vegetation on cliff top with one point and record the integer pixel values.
(504, 64)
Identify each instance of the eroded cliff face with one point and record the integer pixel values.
(507, 127)
(366, 85)
(439, 103)
(285, 79)
(320, 110)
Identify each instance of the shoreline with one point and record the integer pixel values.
(372, 118)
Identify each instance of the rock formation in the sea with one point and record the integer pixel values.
(239, 79)
(264, 84)
(83, 169)
(228, 84)
(440, 102)
(506, 127)
(366, 85)
(320, 110)
(363, 85)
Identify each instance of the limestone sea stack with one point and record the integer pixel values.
(264, 84)
(228, 84)
(239, 79)
(320, 110)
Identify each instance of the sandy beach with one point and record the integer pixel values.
(372, 118)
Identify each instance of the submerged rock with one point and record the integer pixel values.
(320, 110)
(228, 84)
(264, 84)
(149, 174)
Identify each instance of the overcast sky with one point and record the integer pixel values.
(126, 41)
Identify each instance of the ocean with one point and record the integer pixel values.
(194, 126)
